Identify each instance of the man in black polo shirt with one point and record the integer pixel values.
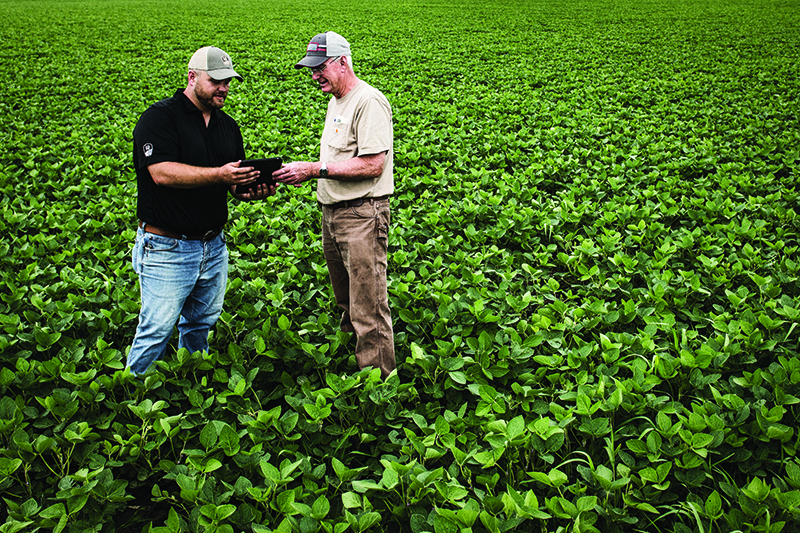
(187, 155)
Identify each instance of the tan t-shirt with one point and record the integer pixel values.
(359, 123)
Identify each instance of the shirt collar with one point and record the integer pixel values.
(189, 106)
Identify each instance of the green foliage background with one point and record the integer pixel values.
(594, 275)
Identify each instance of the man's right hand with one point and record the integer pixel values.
(296, 173)
(234, 174)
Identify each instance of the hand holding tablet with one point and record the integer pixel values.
(266, 167)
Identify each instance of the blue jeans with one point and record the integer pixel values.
(178, 279)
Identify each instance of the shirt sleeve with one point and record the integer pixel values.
(155, 139)
(374, 127)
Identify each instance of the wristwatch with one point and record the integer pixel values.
(323, 170)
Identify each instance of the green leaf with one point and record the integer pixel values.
(285, 501)
(352, 521)
(8, 466)
(390, 479)
(211, 465)
(363, 485)
(269, 471)
(701, 440)
(351, 500)
(490, 522)
(229, 440)
(54, 511)
(442, 427)
(224, 511)
(209, 436)
(173, 521)
(321, 508)
(302, 508)
(445, 521)
(586, 503)
(516, 427)
(208, 510)
(342, 472)
(62, 523)
(714, 505)
(45, 339)
(367, 520)
(757, 490)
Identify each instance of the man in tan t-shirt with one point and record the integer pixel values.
(354, 182)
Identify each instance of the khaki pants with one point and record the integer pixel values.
(355, 244)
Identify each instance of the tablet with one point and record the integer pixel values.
(265, 166)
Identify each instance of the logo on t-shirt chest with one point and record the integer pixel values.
(339, 125)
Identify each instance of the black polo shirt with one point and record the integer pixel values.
(174, 130)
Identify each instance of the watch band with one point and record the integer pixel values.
(323, 170)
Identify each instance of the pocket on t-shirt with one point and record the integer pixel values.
(339, 134)
(338, 143)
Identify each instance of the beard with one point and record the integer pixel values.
(208, 98)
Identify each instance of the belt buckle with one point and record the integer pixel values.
(210, 234)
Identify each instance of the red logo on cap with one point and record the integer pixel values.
(314, 47)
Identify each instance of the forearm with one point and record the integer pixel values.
(357, 168)
(182, 176)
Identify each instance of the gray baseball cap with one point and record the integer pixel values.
(216, 62)
(323, 46)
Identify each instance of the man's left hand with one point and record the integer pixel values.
(257, 193)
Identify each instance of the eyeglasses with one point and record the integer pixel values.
(321, 69)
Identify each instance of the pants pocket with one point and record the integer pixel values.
(382, 227)
(137, 254)
(382, 233)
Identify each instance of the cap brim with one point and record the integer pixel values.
(223, 74)
(311, 61)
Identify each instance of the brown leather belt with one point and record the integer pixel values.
(357, 202)
(155, 230)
